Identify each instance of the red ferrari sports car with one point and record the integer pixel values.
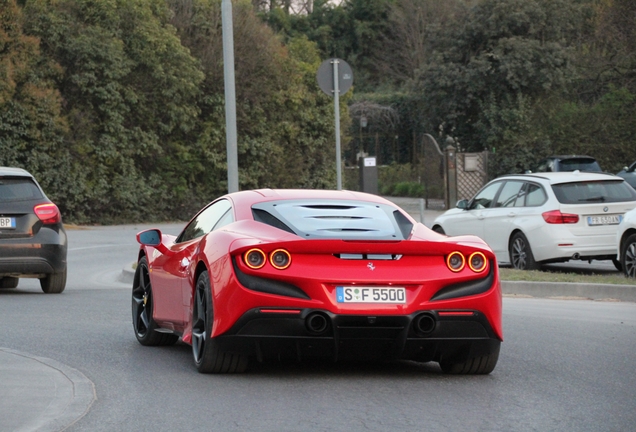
(271, 274)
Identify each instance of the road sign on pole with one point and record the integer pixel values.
(335, 77)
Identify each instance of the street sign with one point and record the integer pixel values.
(335, 77)
(325, 76)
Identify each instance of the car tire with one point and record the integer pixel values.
(208, 356)
(143, 323)
(521, 256)
(476, 366)
(9, 282)
(617, 264)
(628, 256)
(54, 283)
(439, 229)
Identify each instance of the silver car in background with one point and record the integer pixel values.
(531, 219)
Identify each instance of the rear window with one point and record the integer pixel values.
(335, 219)
(581, 164)
(18, 188)
(594, 191)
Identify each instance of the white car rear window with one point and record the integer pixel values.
(594, 191)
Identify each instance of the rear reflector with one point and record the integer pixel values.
(458, 313)
(48, 213)
(281, 311)
(556, 217)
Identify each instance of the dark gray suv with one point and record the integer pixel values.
(629, 174)
(568, 163)
(33, 241)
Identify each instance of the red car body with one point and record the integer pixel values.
(445, 303)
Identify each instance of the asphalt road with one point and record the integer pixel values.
(564, 365)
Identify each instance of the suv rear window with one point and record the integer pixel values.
(594, 191)
(16, 189)
(335, 219)
(581, 164)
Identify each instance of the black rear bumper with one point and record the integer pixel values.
(38, 255)
(422, 336)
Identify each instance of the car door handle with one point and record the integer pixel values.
(512, 214)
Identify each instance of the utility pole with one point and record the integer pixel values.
(230, 96)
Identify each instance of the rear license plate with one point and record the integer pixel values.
(370, 294)
(604, 220)
(7, 223)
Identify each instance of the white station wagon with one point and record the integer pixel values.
(531, 219)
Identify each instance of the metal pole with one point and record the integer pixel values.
(336, 107)
(230, 96)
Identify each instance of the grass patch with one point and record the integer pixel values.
(508, 274)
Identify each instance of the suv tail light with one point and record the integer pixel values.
(556, 217)
(48, 213)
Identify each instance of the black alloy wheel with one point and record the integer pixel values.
(628, 256)
(143, 323)
(208, 356)
(521, 256)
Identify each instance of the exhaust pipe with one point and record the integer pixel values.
(424, 324)
(316, 323)
(576, 256)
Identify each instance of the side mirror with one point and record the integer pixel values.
(462, 204)
(149, 238)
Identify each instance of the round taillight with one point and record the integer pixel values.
(280, 259)
(255, 258)
(477, 262)
(455, 261)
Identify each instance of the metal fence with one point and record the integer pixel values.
(472, 173)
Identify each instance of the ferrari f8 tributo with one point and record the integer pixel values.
(303, 274)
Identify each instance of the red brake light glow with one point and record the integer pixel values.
(455, 261)
(556, 217)
(48, 213)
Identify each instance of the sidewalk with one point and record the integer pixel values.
(40, 394)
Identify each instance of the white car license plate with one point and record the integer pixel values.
(604, 220)
(7, 223)
(348, 294)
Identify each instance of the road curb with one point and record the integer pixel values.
(570, 289)
(74, 392)
(127, 274)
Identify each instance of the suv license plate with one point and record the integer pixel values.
(604, 220)
(348, 294)
(7, 223)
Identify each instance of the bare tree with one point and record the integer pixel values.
(408, 45)
(294, 7)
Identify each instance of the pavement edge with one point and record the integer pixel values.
(60, 416)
